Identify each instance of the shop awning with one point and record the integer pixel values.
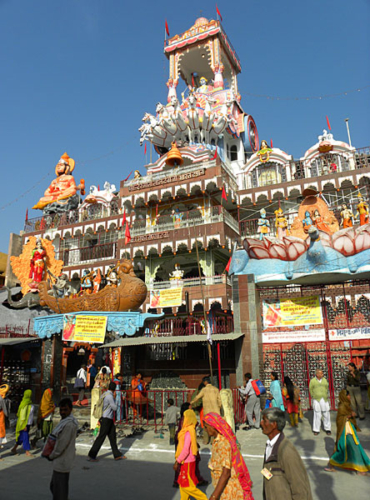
(15, 341)
(126, 342)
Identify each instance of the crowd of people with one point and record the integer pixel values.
(284, 473)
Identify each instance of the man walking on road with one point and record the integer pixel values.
(319, 391)
(252, 403)
(211, 400)
(354, 389)
(284, 475)
(64, 452)
(107, 427)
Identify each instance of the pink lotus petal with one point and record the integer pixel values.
(278, 252)
(258, 253)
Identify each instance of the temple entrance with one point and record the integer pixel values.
(73, 358)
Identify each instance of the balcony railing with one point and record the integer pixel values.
(56, 221)
(83, 255)
(174, 327)
(189, 282)
(184, 220)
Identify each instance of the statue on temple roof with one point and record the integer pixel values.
(363, 210)
(61, 195)
(264, 152)
(204, 87)
(263, 224)
(346, 216)
(281, 223)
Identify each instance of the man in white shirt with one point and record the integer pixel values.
(80, 384)
(319, 391)
(107, 427)
(252, 403)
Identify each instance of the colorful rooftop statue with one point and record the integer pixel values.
(61, 195)
(263, 224)
(363, 210)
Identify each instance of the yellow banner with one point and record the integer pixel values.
(170, 297)
(292, 312)
(89, 329)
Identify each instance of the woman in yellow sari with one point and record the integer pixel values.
(24, 423)
(186, 452)
(46, 411)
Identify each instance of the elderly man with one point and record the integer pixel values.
(284, 475)
(252, 403)
(319, 391)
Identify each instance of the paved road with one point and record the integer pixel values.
(147, 473)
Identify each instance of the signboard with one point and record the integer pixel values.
(350, 333)
(89, 329)
(293, 336)
(299, 311)
(170, 297)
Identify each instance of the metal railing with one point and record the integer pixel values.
(189, 282)
(180, 220)
(56, 221)
(148, 408)
(75, 256)
(183, 327)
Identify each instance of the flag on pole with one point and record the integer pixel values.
(327, 121)
(124, 218)
(124, 180)
(209, 328)
(145, 149)
(227, 268)
(127, 234)
(167, 30)
(272, 144)
(224, 195)
(27, 215)
(218, 12)
(98, 187)
(215, 155)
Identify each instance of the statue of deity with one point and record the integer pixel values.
(307, 221)
(97, 281)
(346, 216)
(86, 282)
(203, 89)
(61, 195)
(137, 175)
(281, 223)
(111, 276)
(61, 288)
(363, 210)
(263, 224)
(177, 274)
(264, 152)
(38, 262)
(319, 222)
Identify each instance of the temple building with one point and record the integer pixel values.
(213, 202)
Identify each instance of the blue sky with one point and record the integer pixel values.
(78, 75)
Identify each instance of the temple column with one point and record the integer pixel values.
(247, 319)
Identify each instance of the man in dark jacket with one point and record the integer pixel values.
(354, 389)
(284, 475)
